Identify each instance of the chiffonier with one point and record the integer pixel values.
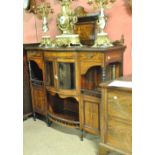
(65, 83)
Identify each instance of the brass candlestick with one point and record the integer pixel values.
(44, 10)
(102, 39)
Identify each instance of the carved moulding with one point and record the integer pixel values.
(86, 65)
(76, 97)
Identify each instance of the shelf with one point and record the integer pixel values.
(36, 82)
(65, 118)
(36, 72)
(63, 111)
(91, 79)
(96, 92)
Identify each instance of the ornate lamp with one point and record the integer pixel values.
(44, 10)
(102, 39)
(65, 21)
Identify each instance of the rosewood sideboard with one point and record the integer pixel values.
(65, 83)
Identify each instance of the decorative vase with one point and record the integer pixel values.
(44, 10)
(65, 21)
(102, 39)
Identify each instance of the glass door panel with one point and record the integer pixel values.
(49, 73)
(66, 75)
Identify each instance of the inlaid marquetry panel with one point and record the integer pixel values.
(52, 55)
(91, 56)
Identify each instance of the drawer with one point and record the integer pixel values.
(34, 54)
(120, 104)
(52, 55)
(119, 135)
(90, 56)
(113, 57)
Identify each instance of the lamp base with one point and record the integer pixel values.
(102, 40)
(46, 42)
(68, 40)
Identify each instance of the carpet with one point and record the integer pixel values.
(39, 139)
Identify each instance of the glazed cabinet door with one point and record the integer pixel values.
(61, 71)
(91, 114)
(66, 75)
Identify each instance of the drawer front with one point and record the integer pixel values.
(113, 57)
(51, 55)
(120, 104)
(32, 54)
(90, 56)
(119, 135)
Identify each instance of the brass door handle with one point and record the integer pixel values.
(56, 77)
(115, 97)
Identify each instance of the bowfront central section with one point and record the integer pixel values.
(62, 87)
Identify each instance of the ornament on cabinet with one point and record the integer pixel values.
(30, 6)
(128, 4)
(43, 11)
(102, 39)
(66, 20)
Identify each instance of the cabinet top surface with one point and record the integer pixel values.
(125, 83)
(126, 78)
(71, 49)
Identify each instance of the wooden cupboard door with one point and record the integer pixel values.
(38, 99)
(119, 134)
(27, 102)
(91, 114)
(120, 104)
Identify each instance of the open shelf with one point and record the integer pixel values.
(64, 111)
(93, 77)
(95, 93)
(113, 71)
(66, 119)
(91, 80)
(36, 75)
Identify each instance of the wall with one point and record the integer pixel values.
(119, 22)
